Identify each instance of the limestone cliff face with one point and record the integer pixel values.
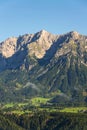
(41, 45)
(8, 47)
(43, 42)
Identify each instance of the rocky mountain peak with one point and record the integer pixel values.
(41, 43)
(8, 47)
(73, 34)
(43, 32)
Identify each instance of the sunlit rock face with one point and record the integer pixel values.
(41, 45)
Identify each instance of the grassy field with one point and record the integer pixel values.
(74, 109)
(37, 101)
(63, 110)
(35, 104)
(8, 105)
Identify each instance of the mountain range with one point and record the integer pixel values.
(44, 64)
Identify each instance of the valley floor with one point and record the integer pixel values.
(38, 114)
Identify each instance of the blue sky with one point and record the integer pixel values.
(18, 17)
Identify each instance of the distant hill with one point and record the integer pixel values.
(43, 64)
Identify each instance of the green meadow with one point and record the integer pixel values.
(38, 104)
